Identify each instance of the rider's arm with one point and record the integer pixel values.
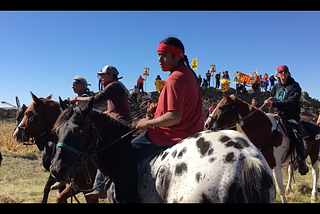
(168, 119)
(81, 99)
(112, 90)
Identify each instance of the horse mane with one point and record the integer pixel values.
(117, 122)
(251, 108)
(62, 117)
(66, 114)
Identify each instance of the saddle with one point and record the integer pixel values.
(309, 129)
(280, 124)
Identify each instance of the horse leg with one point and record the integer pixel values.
(313, 154)
(65, 194)
(290, 174)
(279, 181)
(62, 196)
(315, 175)
(51, 180)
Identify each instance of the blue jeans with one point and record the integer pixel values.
(99, 181)
(125, 175)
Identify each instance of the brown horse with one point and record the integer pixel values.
(265, 132)
(37, 122)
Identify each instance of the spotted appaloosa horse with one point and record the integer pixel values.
(37, 121)
(209, 166)
(264, 132)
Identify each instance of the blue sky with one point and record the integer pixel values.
(43, 51)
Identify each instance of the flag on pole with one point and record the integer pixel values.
(194, 63)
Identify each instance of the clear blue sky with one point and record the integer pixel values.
(43, 51)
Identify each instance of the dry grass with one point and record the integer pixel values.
(10, 147)
(22, 177)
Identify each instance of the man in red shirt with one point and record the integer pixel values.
(178, 115)
(140, 83)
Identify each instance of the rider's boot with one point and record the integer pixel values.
(303, 168)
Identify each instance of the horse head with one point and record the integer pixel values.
(73, 129)
(223, 116)
(37, 119)
(80, 130)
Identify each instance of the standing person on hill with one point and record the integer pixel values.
(285, 99)
(272, 79)
(208, 76)
(265, 77)
(199, 80)
(217, 76)
(140, 83)
(178, 115)
(225, 75)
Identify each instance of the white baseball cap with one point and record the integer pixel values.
(109, 69)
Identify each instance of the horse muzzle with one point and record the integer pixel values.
(19, 136)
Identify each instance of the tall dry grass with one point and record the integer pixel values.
(9, 146)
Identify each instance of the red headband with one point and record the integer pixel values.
(170, 49)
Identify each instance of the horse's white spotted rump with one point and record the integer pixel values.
(210, 166)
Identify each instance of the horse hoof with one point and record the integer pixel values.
(288, 191)
(314, 199)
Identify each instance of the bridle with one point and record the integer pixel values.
(38, 115)
(86, 153)
(235, 116)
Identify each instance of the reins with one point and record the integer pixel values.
(113, 142)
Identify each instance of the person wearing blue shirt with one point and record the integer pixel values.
(80, 87)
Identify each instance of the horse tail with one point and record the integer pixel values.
(257, 180)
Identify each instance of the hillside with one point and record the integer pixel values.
(309, 106)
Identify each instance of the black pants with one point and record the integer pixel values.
(294, 132)
(140, 86)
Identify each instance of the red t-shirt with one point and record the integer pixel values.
(140, 80)
(180, 93)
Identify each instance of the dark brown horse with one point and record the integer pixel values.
(265, 132)
(37, 122)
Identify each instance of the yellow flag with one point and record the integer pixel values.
(225, 84)
(194, 63)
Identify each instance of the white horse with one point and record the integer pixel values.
(265, 133)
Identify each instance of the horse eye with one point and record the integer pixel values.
(31, 119)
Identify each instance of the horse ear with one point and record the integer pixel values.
(89, 107)
(62, 104)
(17, 102)
(36, 99)
(24, 107)
(49, 97)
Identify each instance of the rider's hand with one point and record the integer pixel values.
(142, 124)
(72, 99)
(268, 101)
(151, 110)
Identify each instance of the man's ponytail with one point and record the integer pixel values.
(185, 58)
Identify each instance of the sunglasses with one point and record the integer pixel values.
(283, 71)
